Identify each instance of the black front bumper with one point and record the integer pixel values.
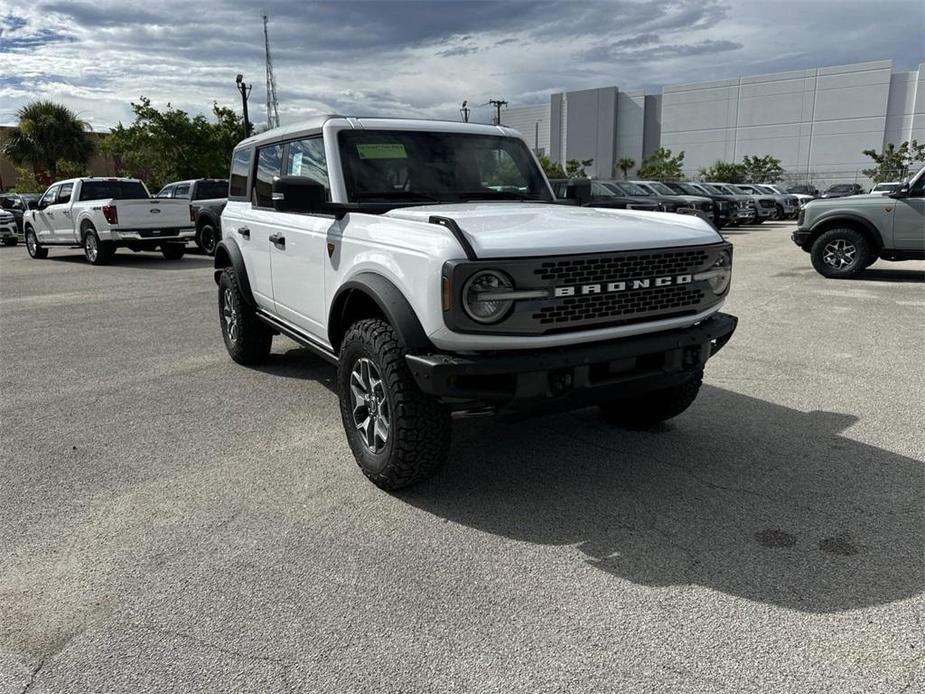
(802, 238)
(568, 377)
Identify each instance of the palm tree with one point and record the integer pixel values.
(46, 134)
(625, 164)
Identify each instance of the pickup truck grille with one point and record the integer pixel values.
(592, 291)
(766, 202)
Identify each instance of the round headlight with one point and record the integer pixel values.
(721, 273)
(482, 296)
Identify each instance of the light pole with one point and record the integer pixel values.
(245, 90)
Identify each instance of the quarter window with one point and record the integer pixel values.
(306, 158)
(240, 167)
(269, 166)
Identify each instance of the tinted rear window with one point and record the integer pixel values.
(118, 190)
(240, 167)
(211, 189)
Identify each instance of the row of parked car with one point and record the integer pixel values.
(102, 214)
(723, 204)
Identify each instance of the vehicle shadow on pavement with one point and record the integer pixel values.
(148, 261)
(889, 275)
(738, 495)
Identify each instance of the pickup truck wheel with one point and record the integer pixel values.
(840, 253)
(778, 213)
(207, 239)
(32, 245)
(655, 406)
(173, 251)
(97, 252)
(247, 340)
(398, 435)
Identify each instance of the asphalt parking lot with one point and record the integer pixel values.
(170, 521)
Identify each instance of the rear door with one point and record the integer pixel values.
(43, 217)
(298, 242)
(61, 213)
(249, 227)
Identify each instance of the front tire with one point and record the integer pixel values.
(207, 239)
(398, 435)
(95, 251)
(33, 247)
(173, 251)
(778, 213)
(247, 340)
(840, 253)
(655, 406)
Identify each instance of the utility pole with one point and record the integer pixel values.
(497, 103)
(272, 101)
(464, 111)
(245, 90)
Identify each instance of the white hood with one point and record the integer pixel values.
(503, 230)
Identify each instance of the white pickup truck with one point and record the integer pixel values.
(102, 214)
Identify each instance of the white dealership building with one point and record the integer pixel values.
(816, 121)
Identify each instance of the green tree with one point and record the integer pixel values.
(165, 145)
(766, 169)
(723, 172)
(28, 182)
(893, 163)
(662, 165)
(551, 168)
(575, 168)
(45, 134)
(625, 164)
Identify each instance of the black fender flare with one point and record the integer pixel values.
(207, 217)
(227, 254)
(390, 301)
(832, 220)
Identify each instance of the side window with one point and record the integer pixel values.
(166, 192)
(240, 167)
(269, 166)
(182, 191)
(49, 197)
(64, 193)
(306, 158)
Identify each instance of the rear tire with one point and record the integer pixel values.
(655, 406)
(841, 253)
(95, 251)
(207, 239)
(173, 251)
(33, 247)
(247, 340)
(398, 435)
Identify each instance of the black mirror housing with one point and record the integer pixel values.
(303, 194)
(901, 192)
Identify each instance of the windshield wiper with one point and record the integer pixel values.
(495, 195)
(396, 195)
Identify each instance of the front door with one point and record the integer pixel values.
(298, 246)
(59, 214)
(44, 218)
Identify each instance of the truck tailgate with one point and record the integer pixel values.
(151, 214)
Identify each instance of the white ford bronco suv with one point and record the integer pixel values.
(431, 263)
(100, 215)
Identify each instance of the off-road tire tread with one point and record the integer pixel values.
(655, 406)
(862, 259)
(420, 429)
(254, 338)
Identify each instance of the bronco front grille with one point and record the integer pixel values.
(672, 300)
(596, 268)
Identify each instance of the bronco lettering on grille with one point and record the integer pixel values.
(622, 286)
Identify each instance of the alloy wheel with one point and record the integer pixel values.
(839, 253)
(370, 407)
(91, 249)
(30, 243)
(230, 315)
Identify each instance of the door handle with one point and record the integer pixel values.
(278, 240)
(245, 232)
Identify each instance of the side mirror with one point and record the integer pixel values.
(41, 204)
(303, 194)
(901, 192)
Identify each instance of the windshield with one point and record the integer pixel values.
(887, 186)
(206, 190)
(686, 188)
(413, 166)
(660, 188)
(117, 190)
(627, 188)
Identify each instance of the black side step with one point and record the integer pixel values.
(457, 232)
(298, 335)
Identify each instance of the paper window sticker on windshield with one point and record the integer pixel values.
(382, 151)
(295, 166)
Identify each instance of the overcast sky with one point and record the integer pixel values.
(420, 58)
